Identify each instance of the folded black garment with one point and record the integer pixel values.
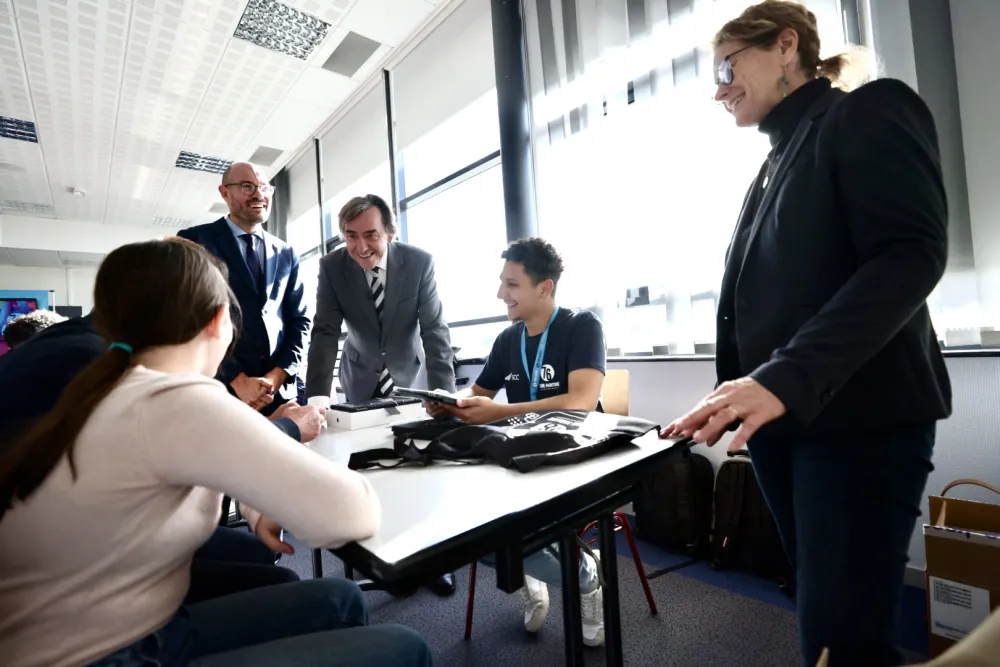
(524, 443)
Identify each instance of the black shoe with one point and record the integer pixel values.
(443, 586)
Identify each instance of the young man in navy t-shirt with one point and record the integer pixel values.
(551, 358)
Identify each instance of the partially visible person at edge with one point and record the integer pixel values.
(21, 329)
(124, 489)
(828, 365)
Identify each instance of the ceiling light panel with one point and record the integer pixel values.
(19, 130)
(172, 222)
(206, 163)
(280, 28)
(14, 99)
(168, 68)
(74, 56)
(25, 180)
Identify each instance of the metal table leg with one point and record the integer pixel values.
(572, 621)
(612, 610)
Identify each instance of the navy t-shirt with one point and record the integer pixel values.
(576, 340)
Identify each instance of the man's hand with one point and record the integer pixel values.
(435, 409)
(309, 418)
(269, 533)
(252, 391)
(477, 410)
(744, 399)
(277, 377)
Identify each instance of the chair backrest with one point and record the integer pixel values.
(615, 397)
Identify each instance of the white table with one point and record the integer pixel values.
(447, 515)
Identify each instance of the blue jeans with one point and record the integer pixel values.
(545, 566)
(846, 507)
(312, 623)
(233, 560)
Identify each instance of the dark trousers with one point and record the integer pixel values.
(233, 560)
(846, 508)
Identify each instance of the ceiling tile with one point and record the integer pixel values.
(248, 86)
(387, 21)
(322, 88)
(75, 80)
(331, 11)
(168, 69)
(188, 195)
(217, 16)
(80, 258)
(292, 123)
(5, 258)
(22, 172)
(14, 99)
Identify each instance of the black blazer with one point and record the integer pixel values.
(823, 296)
(275, 321)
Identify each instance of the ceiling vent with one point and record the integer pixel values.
(265, 156)
(172, 222)
(22, 130)
(212, 165)
(351, 54)
(279, 28)
(24, 207)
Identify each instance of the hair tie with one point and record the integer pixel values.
(121, 346)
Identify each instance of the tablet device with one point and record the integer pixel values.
(425, 395)
(373, 404)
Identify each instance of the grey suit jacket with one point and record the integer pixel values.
(412, 318)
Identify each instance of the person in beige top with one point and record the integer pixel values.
(104, 501)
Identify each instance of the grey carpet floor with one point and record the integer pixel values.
(699, 625)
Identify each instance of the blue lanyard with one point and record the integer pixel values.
(536, 372)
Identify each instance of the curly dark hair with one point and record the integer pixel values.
(24, 327)
(539, 259)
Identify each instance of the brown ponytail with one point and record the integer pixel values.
(146, 295)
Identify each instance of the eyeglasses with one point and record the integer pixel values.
(724, 72)
(249, 188)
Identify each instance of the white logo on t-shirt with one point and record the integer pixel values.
(548, 373)
(512, 377)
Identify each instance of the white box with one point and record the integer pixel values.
(352, 421)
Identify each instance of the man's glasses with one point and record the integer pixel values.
(249, 188)
(724, 72)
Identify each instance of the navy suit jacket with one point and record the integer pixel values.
(275, 321)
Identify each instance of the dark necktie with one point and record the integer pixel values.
(385, 383)
(253, 261)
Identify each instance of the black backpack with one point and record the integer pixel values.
(745, 535)
(674, 507)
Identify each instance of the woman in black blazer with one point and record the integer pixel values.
(826, 358)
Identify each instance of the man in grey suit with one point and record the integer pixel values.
(386, 294)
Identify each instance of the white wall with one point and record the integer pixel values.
(71, 287)
(974, 28)
(71, 235)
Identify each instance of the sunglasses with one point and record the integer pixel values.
(724, 72)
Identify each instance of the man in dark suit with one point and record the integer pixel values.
(386, 295)
(264, 275)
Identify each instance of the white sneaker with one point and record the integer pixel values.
(536, 599)
(592, 612)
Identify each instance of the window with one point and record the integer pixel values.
(356, 156)
(467, 273)
(448, 137)
(640, 176)
(303, 231)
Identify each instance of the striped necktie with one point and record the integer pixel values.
(385, 384)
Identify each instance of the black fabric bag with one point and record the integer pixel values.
(745, 536)
(524, 443)
(674, 506)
